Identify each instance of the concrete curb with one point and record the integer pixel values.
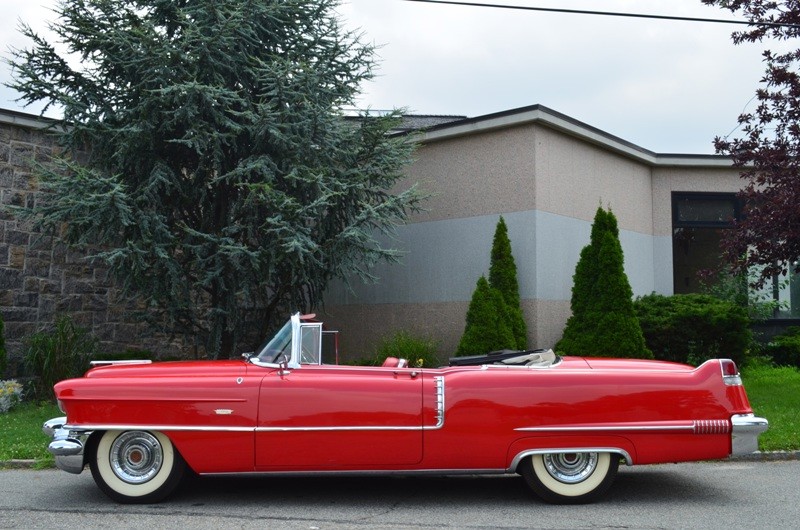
(770, 456)
(17, 464)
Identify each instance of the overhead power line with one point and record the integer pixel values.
(606, 13)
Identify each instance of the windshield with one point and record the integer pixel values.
(281, 343)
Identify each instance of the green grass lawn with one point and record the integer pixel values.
(774, 394)
(22, 437)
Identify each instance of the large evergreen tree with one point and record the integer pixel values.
(603, 321)
(503, 277)
(218, 179)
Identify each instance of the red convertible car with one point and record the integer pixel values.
(563, 423)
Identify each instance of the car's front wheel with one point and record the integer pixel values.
(570, 478)
(136, 466)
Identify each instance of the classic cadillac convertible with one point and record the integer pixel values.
(564, 424)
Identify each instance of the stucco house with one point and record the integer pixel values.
(546, 174)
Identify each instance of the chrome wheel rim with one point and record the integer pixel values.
(136, 457)
(570, 468)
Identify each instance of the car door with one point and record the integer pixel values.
(339, 417)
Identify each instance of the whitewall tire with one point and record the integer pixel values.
(570, 478)
(136, 466)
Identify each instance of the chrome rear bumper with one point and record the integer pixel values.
(744, 435)
(67, 445)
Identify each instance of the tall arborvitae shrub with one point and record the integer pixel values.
(487, 326)
(603, 321)
(503, 277)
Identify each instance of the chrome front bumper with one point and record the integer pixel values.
(744, 435)
(67, 445)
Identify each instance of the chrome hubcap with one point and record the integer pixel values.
(136, 457)
(570, 468)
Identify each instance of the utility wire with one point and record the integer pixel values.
(608, 13)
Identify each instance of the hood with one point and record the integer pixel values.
(170, 369)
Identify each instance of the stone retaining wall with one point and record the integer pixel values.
(40, 278)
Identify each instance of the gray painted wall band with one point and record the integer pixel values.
(444, 260)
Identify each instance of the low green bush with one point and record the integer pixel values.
(691, 328)
(419, 351)
(57, 353)
(784, 349)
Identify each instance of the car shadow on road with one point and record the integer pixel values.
(646, 484)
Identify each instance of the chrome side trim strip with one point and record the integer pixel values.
(124, 362)
(207, 428)
(689, 426)
(524, 454)
(128, 427)
(589, 428)
(348, 428)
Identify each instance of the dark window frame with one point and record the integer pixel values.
(678, 196)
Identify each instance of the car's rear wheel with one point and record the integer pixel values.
(570, 478)
(136, 466)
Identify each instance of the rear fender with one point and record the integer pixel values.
(528, 446)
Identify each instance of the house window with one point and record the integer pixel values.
(699, 221)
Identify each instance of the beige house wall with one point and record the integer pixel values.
(573, 178)
(476, 175)
(530, 167)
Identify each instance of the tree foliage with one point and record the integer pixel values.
(487, 328)
(503, 277)
(768, 152)
(218, 175)
(603, 321)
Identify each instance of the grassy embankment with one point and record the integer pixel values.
(774, 394)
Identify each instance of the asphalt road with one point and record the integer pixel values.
(726, 495)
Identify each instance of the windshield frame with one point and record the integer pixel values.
(280, 344)
(290, 346)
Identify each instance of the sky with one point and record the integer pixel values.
(667, 86)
